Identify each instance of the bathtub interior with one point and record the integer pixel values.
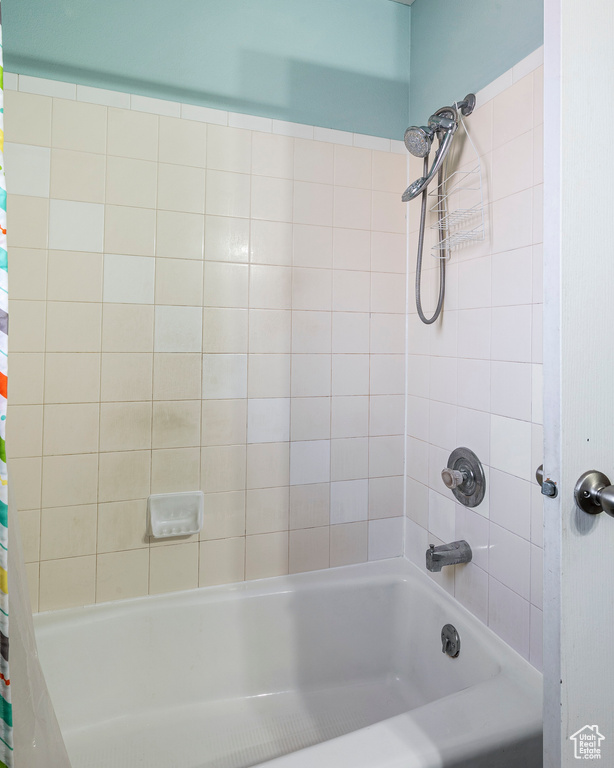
(231, 677)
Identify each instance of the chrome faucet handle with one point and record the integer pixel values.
(452, 478)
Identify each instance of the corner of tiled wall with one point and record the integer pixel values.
(475, 379)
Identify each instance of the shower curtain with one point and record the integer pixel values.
(6, 709)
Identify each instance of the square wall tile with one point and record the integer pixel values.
(175, 470)
(509, 616)
(385, 497)
(223, 422)
(117, 318)
(312, 246)
(310, 418)
(131, 182)
(76, 226)
(350, 417)
(28, 273)
(132, 134)
(27, 376)
(179, 282)
(74, 276)
(173, 567)
(121, 575)
(385, 538)
(349, 501)
(351, 291)
(229, 149)
(271, 243)
(79, 126)
(126, 377)
(124, 475)
(178, 329)
(311, 332)
(227, 239)
(349, 458)
(228, 194)
(129, 230)
(352, 167)
(272, 155)
(270, 331)
(24, 430)
(309, 505)
(311, 375)
(350, 332)
(177, 376)
(266, 510)
(71, 428)
(225, 330)
(129, 279)
(226, 285)
(30, 527)
(268, 420)
(69, 480)
(311, 289)
(352, 208)
(266, 555)
(385, 456)
(223, 468)
(181, 188)
(73, 327)
(308, 550)
(179, 235)
(27, 326)
(72, 378)
(68, 532)
(224, 516)
(67, 583)
(27, 118)
(313, 204)
(268, 465)
(222, 561)
(29, 217)
(182, 142)
(125, 426)
(27, 169)
(313, 161)
(351, 249)
(122, 525)
(224, 376)
(270, 287)
(348, 544)
(309, 462)
(271, 198)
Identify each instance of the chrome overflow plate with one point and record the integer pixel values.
(450, 641)
(464, 476)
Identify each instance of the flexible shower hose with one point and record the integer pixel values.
(442, 260)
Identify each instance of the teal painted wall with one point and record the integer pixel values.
(459, 46)
(334, 63)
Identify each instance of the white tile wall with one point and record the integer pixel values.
(474, 378)
(200, 300)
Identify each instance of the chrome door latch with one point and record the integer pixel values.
(594, 493)
(548, 486)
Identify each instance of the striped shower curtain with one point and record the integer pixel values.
(6, 711)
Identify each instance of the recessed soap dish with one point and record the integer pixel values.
(175, 514)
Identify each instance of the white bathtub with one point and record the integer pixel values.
(333, 669)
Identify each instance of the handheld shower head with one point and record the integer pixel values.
(442, 124)
(418, 140)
